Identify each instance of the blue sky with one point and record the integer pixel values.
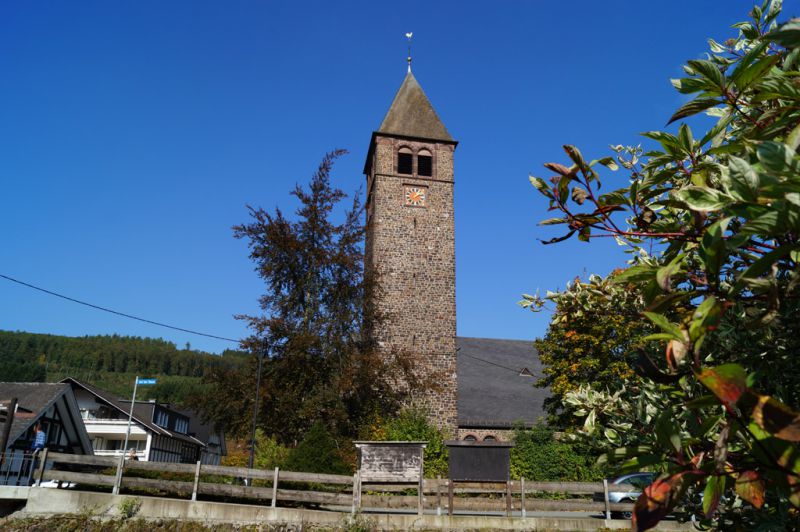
(133, 135)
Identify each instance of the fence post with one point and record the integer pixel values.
(42, 464)
(449, 497)
(508, 499)
(196, 481)
(421, 497)
(275, 489)
(118, 478)
(358, 508)
(355, 493)
(438, 494)
(522, 489)
(421, 487)
(605, 495)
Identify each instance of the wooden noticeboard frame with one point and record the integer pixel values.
(472, 461)
(396, 462)
(479, 462)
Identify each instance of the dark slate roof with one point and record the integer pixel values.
(491, 391)
(412, 115)
(33, 399)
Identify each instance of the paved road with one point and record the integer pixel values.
(573, 515)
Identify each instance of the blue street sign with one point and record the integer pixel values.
(146, 381)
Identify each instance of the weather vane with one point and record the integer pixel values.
(408, 36)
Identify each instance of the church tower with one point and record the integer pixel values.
(410, 244)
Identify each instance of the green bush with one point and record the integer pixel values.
(412, 424)
(269, 453)
(539, 456)
(129, 507)
(318, 452)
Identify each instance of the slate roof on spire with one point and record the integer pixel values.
(412, 115)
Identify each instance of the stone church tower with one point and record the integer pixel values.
(410, 243)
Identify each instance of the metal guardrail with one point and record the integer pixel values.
(17, 468)
(441, 495)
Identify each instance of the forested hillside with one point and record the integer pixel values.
(110, 362)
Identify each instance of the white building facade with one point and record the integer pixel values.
(158, 433)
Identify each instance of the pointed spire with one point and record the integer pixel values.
(412, 115)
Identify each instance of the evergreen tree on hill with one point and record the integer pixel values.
(110, 362)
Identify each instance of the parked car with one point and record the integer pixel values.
(638, 480)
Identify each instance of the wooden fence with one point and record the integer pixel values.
(340, 491)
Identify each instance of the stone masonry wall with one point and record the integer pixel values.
(482, 434)
(412, 249)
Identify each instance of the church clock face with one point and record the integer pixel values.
(415, 196)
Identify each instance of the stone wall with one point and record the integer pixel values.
(481, 434)
(412, 251)
(47, 502)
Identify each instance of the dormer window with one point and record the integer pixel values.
(182, 425)
(424, 163)
(405, 161)
(162, 418)
(170, 420)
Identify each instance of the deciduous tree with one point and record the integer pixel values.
(322, 365)
(723, 291)
(593, 336)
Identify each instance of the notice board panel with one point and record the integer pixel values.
(390, 461)
(479, 461)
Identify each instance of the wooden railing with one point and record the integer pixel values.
(339, 491)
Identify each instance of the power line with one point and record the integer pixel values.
(104, 309)
(516, 371)
(124, 315)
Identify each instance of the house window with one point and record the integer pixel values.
(181, 425)
(490, 438)
(405, 161)
(162, 419)
(424, 163)
(470, 437)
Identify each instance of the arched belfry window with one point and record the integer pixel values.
(405, 161)
(424, 163)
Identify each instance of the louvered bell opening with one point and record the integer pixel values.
(425, 165)
(405, 163)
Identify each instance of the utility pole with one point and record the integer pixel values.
(261, 355)
(130, 416)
